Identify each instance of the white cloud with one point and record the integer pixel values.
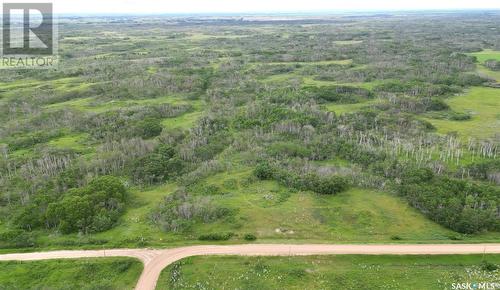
(222, 6)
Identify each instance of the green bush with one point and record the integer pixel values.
(17, 239)
(216, 237)
(264, 171)
(341, 94)
(180, 210)
(438, 105)
(330, 185)
(158, 166)
(149, 128)
(454, 237)
(396, 238)
(456, 116)
(488, 266)
(250, 237)
(283, 149)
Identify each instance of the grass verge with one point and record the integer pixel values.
(330, 272)
(106, 273)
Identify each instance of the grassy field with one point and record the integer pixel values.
(349, 108)
(310, 81)
(96, 106)
(348, 42)
(483, 56)
(274, 213)
(486, 54)
(106, 273)
(185, 121)
(329, 272)
(483, 71)
(316, 63)
(483, 104)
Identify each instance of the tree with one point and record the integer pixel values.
(149, 128)
(93, 208)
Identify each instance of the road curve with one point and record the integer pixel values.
(156, 260)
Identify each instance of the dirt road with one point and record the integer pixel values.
(156, 260)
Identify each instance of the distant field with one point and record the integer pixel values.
(365, 85)
(486, 54)
(349, 108)
(348, 42)
(483, 56)
(106, 273)
(482, 70)
(324, 62)
(483, 104)
(329, 272)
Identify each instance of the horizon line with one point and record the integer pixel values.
(282, 13)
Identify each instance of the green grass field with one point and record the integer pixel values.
(93, 105)
(483, 56)
(486, 54)
(275, 214)
(350, 108)
(348, 42)
(106, 273)
(484, 71)
(310, 81)
(185, 121)
(329, 272)
(483, 104)
(313, 63)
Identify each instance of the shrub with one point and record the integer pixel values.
(299, 273)
(211, 189)
(282, 149)
(149, 128)
(17, 239)
(264, 171)
(454, 237)
(396, 238)
(438, 105)
(418, 175)
(250, 237)
(180, 210)
(455, 116)
(158, 166)
(341, 94)
(215, 237)
(330, 185)
(488, 266)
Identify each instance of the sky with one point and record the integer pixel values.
(257, 6)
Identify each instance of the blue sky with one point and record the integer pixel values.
(228, 6)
